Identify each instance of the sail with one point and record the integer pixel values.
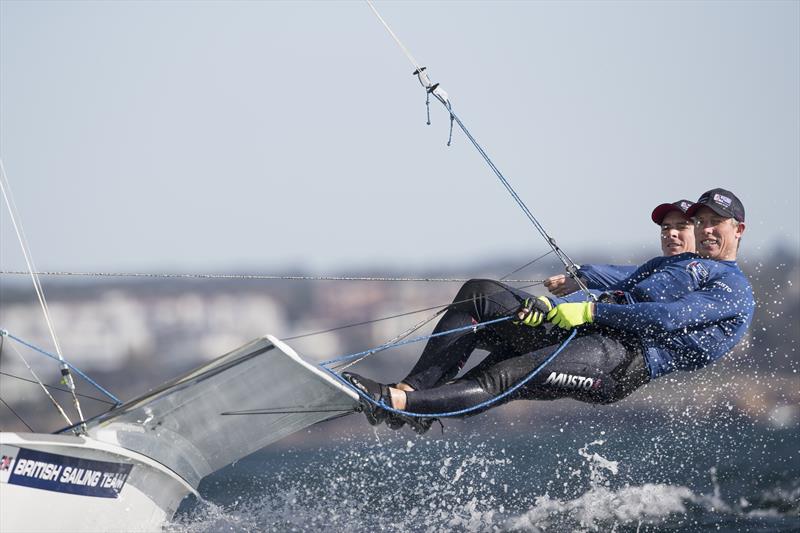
(182, 423)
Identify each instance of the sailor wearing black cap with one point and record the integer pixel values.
(719, 221)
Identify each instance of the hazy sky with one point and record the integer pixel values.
(262, 136)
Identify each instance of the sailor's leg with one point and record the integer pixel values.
(477, 301)
(592, 368)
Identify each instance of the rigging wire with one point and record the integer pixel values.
(526, 265)
(70, 365)
(396, 339)
(56, 387)
(287, 411)
(263, 277)
(39, 381)
(17, 415)
(436, 90)
(390, 317)
(66, 376)
(386, 346)
(396, 39)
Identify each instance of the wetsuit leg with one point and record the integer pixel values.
(477, 301)
(593, 368)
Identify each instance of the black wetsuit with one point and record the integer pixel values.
(600, 365)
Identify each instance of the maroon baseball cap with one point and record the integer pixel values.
(722, 202)
(661, 211)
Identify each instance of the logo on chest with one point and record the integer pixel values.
(698, 271)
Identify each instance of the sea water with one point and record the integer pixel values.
(604, 474)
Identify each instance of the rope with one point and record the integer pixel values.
(397, 339)
(388, 345)
(256, 276)
(70, 365)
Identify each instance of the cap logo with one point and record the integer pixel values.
(722, 200)
(685, 205)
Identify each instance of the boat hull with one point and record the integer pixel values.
(71, 483)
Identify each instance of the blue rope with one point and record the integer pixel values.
(550, 241)
(468, 410)
(70, 365)
(382, 347)
(569, 264)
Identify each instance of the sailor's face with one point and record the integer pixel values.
(717, 237)
(677, 234)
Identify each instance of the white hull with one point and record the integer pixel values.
(68, 483)
(137, 462)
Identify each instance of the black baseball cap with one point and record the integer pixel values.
(661, 211)
(722, 202)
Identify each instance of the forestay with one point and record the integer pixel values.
(183, 424)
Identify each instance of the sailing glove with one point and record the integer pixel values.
(533, 311)
(571, 315)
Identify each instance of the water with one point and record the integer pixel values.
(600, 473)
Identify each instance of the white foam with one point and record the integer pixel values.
(601, 505)
(439, 485)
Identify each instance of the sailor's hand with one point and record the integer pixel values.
(561, 285)
(533, 311)
(571, 315)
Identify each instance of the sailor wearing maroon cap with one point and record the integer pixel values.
(677, 237)
(680, 312)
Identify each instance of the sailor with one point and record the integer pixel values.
(677, 237)
(679, 312)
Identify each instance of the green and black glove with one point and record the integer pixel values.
(571, 315)
(533, 311)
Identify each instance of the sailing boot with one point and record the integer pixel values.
(376, 391)
(394, 422)
(419, 425)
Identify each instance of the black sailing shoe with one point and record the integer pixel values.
(394, 422)
(376, 391)
(419, 425)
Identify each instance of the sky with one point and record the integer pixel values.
(277, 136)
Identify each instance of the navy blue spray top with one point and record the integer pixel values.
(687, 311)
(604, 276)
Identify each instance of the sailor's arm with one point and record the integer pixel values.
(561, 285)
(599, 277)
(720, 300)
(604, 276)
(637, 274)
